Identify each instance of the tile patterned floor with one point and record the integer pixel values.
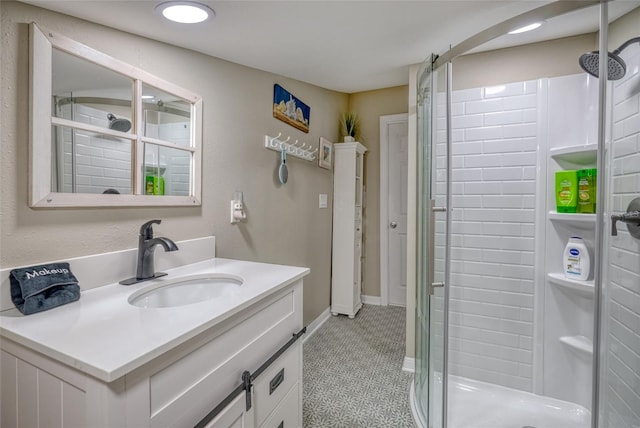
(353, 372)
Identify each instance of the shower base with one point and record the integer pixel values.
(474, 404)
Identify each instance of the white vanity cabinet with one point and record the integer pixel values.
(346, 274)
(177, 388)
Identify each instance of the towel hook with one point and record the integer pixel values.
(275, 138)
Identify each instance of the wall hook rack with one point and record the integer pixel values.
(298, 149)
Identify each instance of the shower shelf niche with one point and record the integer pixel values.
(584, 288)
(568, 304)
(579, 343)
(580, 221)
(579, 155)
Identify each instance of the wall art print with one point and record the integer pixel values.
(290, 109)
(325, 153)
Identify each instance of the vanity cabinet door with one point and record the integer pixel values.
(234, 415)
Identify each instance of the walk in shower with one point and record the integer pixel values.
(503, 338)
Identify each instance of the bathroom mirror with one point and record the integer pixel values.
(104, 133)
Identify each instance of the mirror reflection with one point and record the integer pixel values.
(93, 147)
(165, 116)
(88, 162)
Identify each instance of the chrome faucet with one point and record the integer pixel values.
(146, 248)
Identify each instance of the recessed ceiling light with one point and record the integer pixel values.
(526, 28)
(147, 97)
(185, 12)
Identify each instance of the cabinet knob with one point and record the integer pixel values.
(393, 225)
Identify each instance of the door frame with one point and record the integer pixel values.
(385, 121)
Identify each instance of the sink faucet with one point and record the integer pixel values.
(146, 248)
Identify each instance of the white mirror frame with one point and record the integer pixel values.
(41, 122)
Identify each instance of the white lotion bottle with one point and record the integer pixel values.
(576, 260)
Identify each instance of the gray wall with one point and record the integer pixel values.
(552, 58)
(370, 105)
(284, 223)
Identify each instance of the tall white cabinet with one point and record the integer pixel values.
(346, 272)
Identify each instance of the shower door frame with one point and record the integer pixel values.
(424, 370)
(426, 284)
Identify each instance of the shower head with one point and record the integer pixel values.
(122, 125)
(590, 62)
(616, 68)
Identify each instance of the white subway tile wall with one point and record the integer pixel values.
(492, 243)
(104, 162)
(492, 290)
(622, 361)
(178, 162)
(101, 162)
(177, 174)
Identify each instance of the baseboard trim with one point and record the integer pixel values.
(409, 365)
(371, 300)
(316, 323)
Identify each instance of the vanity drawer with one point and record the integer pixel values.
(274, 384)
(287, 414)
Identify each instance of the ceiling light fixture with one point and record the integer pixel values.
(185, 12)
(526, 28)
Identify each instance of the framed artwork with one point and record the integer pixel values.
(290, 109)
(325, 153)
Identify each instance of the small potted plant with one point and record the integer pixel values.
(350, 126)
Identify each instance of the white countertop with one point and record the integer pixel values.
(104, 336)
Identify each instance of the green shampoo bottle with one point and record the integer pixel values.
(587, 190)
(567, 191)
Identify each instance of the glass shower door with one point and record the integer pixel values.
(432, 165)
(619, 389)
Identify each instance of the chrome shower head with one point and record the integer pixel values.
(122, 125)
(616, 68)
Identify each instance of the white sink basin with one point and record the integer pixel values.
(186, 290)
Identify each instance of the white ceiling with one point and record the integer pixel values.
(347, 46)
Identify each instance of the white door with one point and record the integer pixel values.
(394, 135)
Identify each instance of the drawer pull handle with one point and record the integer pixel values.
(276, 381)
(281, 425)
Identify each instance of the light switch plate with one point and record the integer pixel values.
(322, 200)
